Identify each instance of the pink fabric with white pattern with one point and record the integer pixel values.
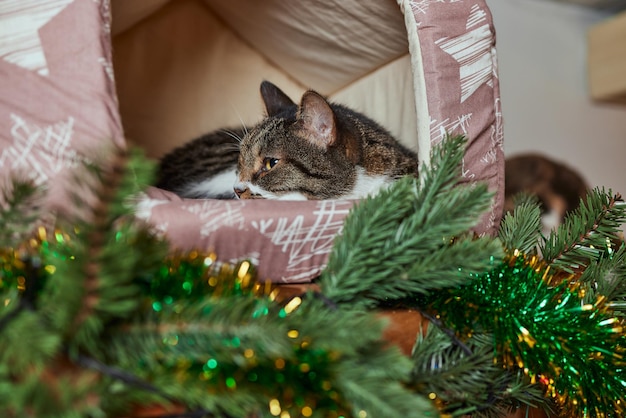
(457, 41)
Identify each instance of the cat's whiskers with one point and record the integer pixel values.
(243, 125)
(234, 136)
(231, 147)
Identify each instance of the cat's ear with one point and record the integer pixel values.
(317, 119)
(275, 100)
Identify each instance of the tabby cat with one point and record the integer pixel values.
(314, 150)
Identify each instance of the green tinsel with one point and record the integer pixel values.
(575, 350)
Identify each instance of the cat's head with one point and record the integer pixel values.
(297, 152)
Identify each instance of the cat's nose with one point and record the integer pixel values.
(240, 189)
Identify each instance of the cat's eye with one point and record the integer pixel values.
(269, 163)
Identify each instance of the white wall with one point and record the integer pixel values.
(545, 104)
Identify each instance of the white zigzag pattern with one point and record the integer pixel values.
(144, 206)
(217, 215)
(439, 130)
(497, 136)
(472, 51)
(302, 243)
(421, 6)
(39, 152)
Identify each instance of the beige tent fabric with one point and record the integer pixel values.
(207, 76)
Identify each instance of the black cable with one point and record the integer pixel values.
(135, 381)
(448, 332)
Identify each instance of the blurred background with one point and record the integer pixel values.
(546, 103)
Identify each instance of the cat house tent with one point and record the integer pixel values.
(80, 74)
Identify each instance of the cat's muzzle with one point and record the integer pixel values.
(245, 193)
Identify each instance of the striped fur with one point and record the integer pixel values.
(314, 150)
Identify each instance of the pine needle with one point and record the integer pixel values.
(395, 244)
(469, 383)
(341, 348)
(100, 262)
(586, 232)
(606, 277)
(521, 230)
(19, 210)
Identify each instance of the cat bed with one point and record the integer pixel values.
(79, 75)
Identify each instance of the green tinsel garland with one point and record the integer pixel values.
(541, 325)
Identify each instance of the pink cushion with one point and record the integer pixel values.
(457, 42)
(58, 104)
(288, 241)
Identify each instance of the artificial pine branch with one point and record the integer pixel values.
(60, 288)
(57, 390)
(19, 211)
(99, 261)
(378, 390)
(586, 232)
(463, 383)
(606, 278)
(93, 256)
(459, 383)
(385, 238)
(521, 230)
(313, 354)
(27, 344)
(22, 277)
